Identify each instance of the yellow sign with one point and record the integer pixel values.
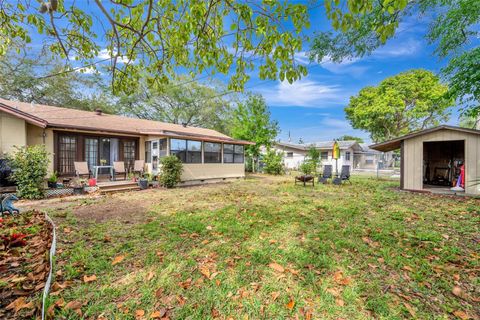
(336, 150)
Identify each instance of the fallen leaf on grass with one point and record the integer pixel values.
(410, 309)
(459, 293)
(461, 315)
(19, 304)
(339, 302)
(290, 304)
(341, 279)
(150, 275)
(275, 295)
(204, 270)
(408, 268)
(158, 314)
(139, 313)
(76, 306)
(118, 259)
(88, 279)
(275, 266)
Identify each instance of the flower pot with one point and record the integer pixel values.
(143, 183)
(52, 185)
(78, 190)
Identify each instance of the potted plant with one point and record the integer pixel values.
(78, 186)
(143, 183)
(52, 180)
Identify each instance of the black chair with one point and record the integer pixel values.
(345, 174)
(327, 174)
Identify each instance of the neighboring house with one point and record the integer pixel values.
(74, 135)
(368, 159)
(294, 154)
(431, 159)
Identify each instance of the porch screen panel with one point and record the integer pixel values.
(129, 154)
(178, 147)
(91, 152)
(148, 151)
(67, 154)
(194, 151)
(228, 153)
(238, 155)
(212, 152)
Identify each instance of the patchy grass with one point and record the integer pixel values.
(264, 249)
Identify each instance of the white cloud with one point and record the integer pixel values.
(106, 54)
(344, 67)
(396, 49)
(330, 128)
(304, 93)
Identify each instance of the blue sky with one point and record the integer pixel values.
(312, 108)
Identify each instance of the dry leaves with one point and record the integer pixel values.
(339, 278)
(461, 315)
(88, 279)
(19, 304)
(277, 267)
(118, 259)
(410, 309)
(290, 304)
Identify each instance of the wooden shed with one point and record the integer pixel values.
(432, 159)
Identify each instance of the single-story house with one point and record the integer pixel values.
(74, 135)
(432, 159)
(294, 154)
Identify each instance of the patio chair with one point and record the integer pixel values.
(345, 174)
(327, 174)
(81, 169)
(119, 168)
(139, 167)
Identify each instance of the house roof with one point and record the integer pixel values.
(396, 143)
(325, 145)
(56, 117)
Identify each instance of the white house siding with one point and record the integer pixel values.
(340, 162)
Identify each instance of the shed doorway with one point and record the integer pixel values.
(441, 164)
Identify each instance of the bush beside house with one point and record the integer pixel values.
(171, 171)
(273, 162)
(29, 169)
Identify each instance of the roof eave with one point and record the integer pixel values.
(23, 115)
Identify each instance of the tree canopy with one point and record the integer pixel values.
(185, 102)
(22, 80)
(153, 39)
(251, 121)
(400, 104)
(347, 137)
(363, 26)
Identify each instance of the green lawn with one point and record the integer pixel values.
(264, 249)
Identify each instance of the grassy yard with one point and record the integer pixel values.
(264, 249)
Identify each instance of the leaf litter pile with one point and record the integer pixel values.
(262, 248)
(25, 241)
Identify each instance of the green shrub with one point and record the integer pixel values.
(306, 167)
(29, 168)
(273, 161)
(171, 171)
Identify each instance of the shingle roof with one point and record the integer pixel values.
(320, 145)
(396, 143)
(49, 116)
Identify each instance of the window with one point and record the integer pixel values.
(324, 155)
(347, 156)
(228, 153)
(194, 151)
(91, 152)
(162, 151)
(179, 148)
(148, 151)
(238, 156)
(289, 154)
(212, 152)
(369, 159)
(129, 154)
(67, 153)
(188, 151)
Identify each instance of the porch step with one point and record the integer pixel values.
(118, 186)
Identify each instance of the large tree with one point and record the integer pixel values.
(252, 122)
(23, 79)
(363, 26)
(400, 104)
(184, 102)
(347, 137)
(154, 39)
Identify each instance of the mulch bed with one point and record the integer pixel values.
(25, 241)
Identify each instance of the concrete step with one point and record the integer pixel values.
(119, 189)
